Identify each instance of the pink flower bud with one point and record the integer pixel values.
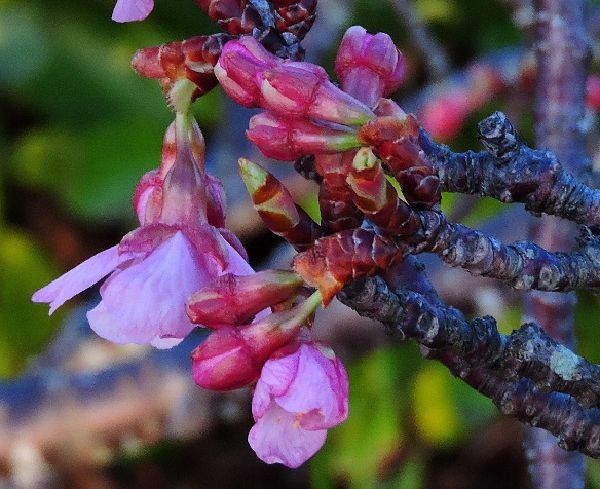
(234, 299)
(302, 391)
(303, 90)
(232, 357)
(240, 62)
(369, 66)
(286, 139)
(444, 117)
(593, 92)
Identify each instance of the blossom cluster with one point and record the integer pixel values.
(182, 268)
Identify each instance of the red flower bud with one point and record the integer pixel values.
(286, 139)
(238, 66)
(233, 357)
(192, 59)
(235, 299)
(593, 91)
(277, 208)
(303, 90)
(445, 117)
(336, 259)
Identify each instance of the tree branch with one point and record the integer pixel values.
(494, 364)
(510, 171)
(524, 265)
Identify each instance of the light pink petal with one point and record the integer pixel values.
(83, 276)
(132, 10)
(145, 301)
(277, 437)
(318, 390)
(275, 378)
(236, 264)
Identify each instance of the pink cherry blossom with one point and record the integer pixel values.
(302, 391)
(132, 10)
(156, 267)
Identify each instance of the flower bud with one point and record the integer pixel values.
(233, 357)
(336, 259)
(593, 92)
(240, 62)
(369, 66)
(377, 198)
(235, 299)
(190, 60)
(277, 208)
(304, 90)
(445, 117)
(286, 139)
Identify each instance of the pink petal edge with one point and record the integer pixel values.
(76, 280)
(132, 10)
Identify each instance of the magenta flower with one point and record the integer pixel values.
(132, 10)
(155, 268)
(302, 391)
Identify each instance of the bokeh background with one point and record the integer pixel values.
(78, 127)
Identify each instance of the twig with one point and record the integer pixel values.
(511, 171)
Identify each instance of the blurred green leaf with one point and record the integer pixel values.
(361, 449)
(437, 10)
(23, 44)
(24, 326)
(445, 408)
(586, 321)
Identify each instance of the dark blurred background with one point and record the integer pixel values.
(78, 127)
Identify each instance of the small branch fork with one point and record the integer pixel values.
(527, 374)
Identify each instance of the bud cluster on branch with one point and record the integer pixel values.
(380, 178)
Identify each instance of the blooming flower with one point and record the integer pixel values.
(302, 391)
(156, 267)
(132, 10)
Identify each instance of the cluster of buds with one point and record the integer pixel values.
(301, 386)
(308, 116)
(184, 68)
(182, 269)
(242, 17)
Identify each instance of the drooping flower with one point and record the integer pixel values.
(132, 10)
(302, 391)
(155, 268)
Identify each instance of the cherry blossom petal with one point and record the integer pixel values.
(277, 437)
(146, 301)
(313, 385)
(275, 378)
(83, 276)
(132, 10)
